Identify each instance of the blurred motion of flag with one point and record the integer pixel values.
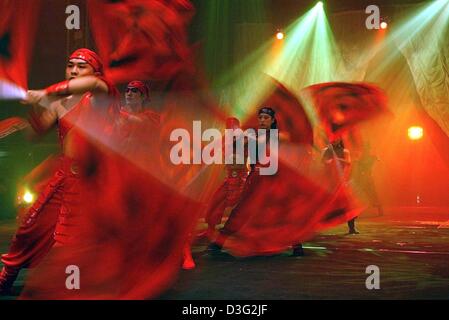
(17, 33)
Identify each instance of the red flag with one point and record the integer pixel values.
(128, 228)
(290, 113)
(141, 39)
(341, 105)
(279, 211)
(276, 212)
(17, 30)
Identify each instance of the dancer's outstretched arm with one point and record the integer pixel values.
(65, 88)
(48, 99)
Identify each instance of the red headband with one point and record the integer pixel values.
(90, 57)
(141, 86)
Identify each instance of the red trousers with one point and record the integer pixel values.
(226, 196)
(47, 221)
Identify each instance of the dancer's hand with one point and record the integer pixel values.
(34, 96)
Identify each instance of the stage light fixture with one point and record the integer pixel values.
(28, 197)
(383, 25)
(415, 132)
(280, 35)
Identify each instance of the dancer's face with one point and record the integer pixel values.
(265, 121)
(78, 68)
(133, 97)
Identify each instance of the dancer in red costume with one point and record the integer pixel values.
(228, 194)
(267, 121)
(277, 211)
(48, 221)
(139, 126)
(338, 162)
(140, 129)
(103, 210)
(289, 207)
(136, 96)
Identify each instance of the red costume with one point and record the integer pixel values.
(140, 132)
(228, 194)
(119, 224)
(130, 227)
(277, 211)
(140, 135)
(49, 219)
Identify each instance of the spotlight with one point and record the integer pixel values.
(415, 132)
(384, 21)
(320, 4)
(279, 35)
(28, 197)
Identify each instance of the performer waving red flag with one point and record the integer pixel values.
(279, 210)
(44, 224)
(98, 206)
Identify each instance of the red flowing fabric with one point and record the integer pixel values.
(130, 228)
(187, 99)
(10, 125)
(17, 30)
(122, 226)
(352, 103)
(290, 114)
(141, 39)
(140, 136)
(278, 211)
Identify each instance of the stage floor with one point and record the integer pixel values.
(413, 258)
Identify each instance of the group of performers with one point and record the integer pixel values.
(238, 187)
(53, 219)
(50, 221)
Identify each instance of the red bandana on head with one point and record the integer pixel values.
(90, 57)
(141, 86)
